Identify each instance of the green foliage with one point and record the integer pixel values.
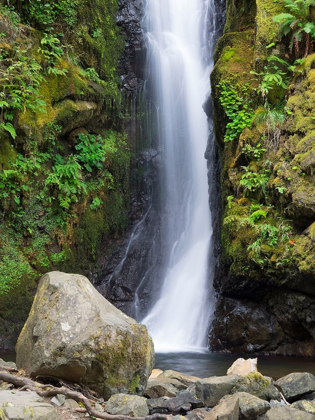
(8, 12)
(297, 25)
(253, 152)
(67, 180)
(236, 106)
(92, 150)
(271, 118)
(52, 51)
(49, 13)
(269, 236)
(14, 267)
(272, 76)
(257, 215)
(9, 128)
(229, 201)
(20, 77)
(254, 181)
(263, 234)
(96, 203)
(92, 74)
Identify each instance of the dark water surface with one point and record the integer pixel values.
(208, 364)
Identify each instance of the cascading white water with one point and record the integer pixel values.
(179, 76)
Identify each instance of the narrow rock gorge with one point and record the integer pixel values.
(85, 180)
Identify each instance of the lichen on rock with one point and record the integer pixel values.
(75, 334)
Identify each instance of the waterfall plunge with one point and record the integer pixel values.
(178, 73)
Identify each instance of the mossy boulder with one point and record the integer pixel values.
(75, 334)
(296, 385)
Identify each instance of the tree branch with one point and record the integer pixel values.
(27, 383)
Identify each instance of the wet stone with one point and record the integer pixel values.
(181, 404)
(296, 385)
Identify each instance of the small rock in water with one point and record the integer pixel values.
(243, 367)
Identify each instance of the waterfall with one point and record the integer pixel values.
(180, 38)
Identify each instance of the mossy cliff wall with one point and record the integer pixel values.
(266, 283)
(64, 152)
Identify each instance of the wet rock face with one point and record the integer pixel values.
(282, 324)
(267, 296)
(130, 285)
(131, 64)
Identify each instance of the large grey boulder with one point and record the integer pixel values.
(211, 390)
(128, 405)
(19, 405)
(75, 334)
(296, 385)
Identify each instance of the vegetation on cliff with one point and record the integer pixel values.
(262, 83)
(64, 159)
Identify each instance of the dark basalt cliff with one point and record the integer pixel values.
(265, 286)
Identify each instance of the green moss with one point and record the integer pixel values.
(134, 385)
(240, 15)
(7, 152)
(228, 53)
(267, 29)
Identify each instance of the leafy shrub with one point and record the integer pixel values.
(272, 76)
(236, 108)
(297, 25)
(254, 181)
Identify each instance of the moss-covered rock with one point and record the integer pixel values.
(267, 188)
(74, 333)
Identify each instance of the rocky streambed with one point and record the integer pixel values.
(80, 357)
(168, 394)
